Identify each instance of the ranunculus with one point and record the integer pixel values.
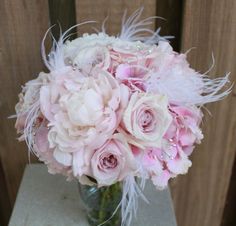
(83, 113)
(113, 161)
(146, 119)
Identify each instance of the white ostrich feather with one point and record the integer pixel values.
(29, 130)
(55, 59)
(134, 29)
(188, 87)
(129, 203)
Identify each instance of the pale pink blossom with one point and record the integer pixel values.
(184, 130)
(83, 113)
(113, 161)
(45, 154)
(146, 119)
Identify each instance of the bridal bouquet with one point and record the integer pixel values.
(116, 109)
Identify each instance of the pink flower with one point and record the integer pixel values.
(132, 75)
(172, 158)
(83, 113)
(113, 161)
(28, 99)
(45, 154)
(184, 130)
(146, 119)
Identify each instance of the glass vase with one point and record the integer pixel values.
(101, 203)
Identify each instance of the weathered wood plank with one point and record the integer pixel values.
(209, 25)
(5, 208)
(99, 10)
(23, 24)
(229, 217)
(62, 12)
(171, 11)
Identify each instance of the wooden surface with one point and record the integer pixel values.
(38, 204)
(99, 10)
(171, 11)
(5, 208)
(23, 24)
(62, 14)
(229, 217)
(209, 25)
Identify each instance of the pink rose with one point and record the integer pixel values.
(146, 119)
(113, 161)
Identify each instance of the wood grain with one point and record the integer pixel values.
(5, 209)
(171, 11)
(23, 24)
(229, 217)
(62, 12)
(99, 10)
(199, 197)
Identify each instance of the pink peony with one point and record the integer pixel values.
(45, 154)
(83, 112)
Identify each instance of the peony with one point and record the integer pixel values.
(83, 113)
(113, 161)
(146, 119)
(45, 154)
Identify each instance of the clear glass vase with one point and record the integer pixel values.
(101, 203)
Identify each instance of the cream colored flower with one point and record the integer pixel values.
(147, 119)
(85, 117)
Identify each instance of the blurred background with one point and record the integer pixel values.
(206, 196)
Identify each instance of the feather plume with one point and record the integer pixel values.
(134, 29)
(129, 201)
(55, 59)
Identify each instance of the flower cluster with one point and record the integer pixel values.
(110, 108)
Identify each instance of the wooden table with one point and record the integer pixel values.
(49, 200)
